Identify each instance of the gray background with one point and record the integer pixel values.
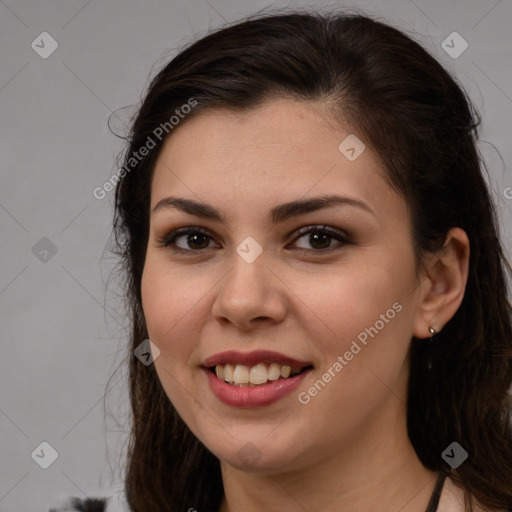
(62, 328)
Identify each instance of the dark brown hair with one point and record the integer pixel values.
(399, 100)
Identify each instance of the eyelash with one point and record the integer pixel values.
(168, 241)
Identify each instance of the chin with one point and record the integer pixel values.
(256, 456)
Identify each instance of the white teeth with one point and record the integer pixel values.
(274, 371)
(228, 372)
(242, 375)
(259, 374)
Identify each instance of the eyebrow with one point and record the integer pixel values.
(278, 214)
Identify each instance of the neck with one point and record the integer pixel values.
(377, 467)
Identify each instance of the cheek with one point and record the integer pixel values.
(348, 302)
(167, 301)
(365, 355)
(366, 320)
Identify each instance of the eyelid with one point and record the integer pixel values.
(321, 227)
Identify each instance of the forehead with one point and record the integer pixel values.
(281, 147)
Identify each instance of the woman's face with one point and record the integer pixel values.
(341, 302)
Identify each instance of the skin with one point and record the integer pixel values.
(347, 449)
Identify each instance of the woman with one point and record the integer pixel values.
(310, 246)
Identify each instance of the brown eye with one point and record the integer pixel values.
(197, 240)
(320, 238)
(194, 239)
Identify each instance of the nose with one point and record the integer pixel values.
(250, 295)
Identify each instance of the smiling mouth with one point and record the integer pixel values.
(258, 375)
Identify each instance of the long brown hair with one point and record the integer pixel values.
(420, 122)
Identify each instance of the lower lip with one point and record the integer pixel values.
(257, 396)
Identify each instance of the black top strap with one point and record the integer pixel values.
(436, 495)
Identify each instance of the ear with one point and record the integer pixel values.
(443, 284)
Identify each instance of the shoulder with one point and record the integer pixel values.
(452, 499)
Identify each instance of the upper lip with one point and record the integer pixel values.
(252, 358)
